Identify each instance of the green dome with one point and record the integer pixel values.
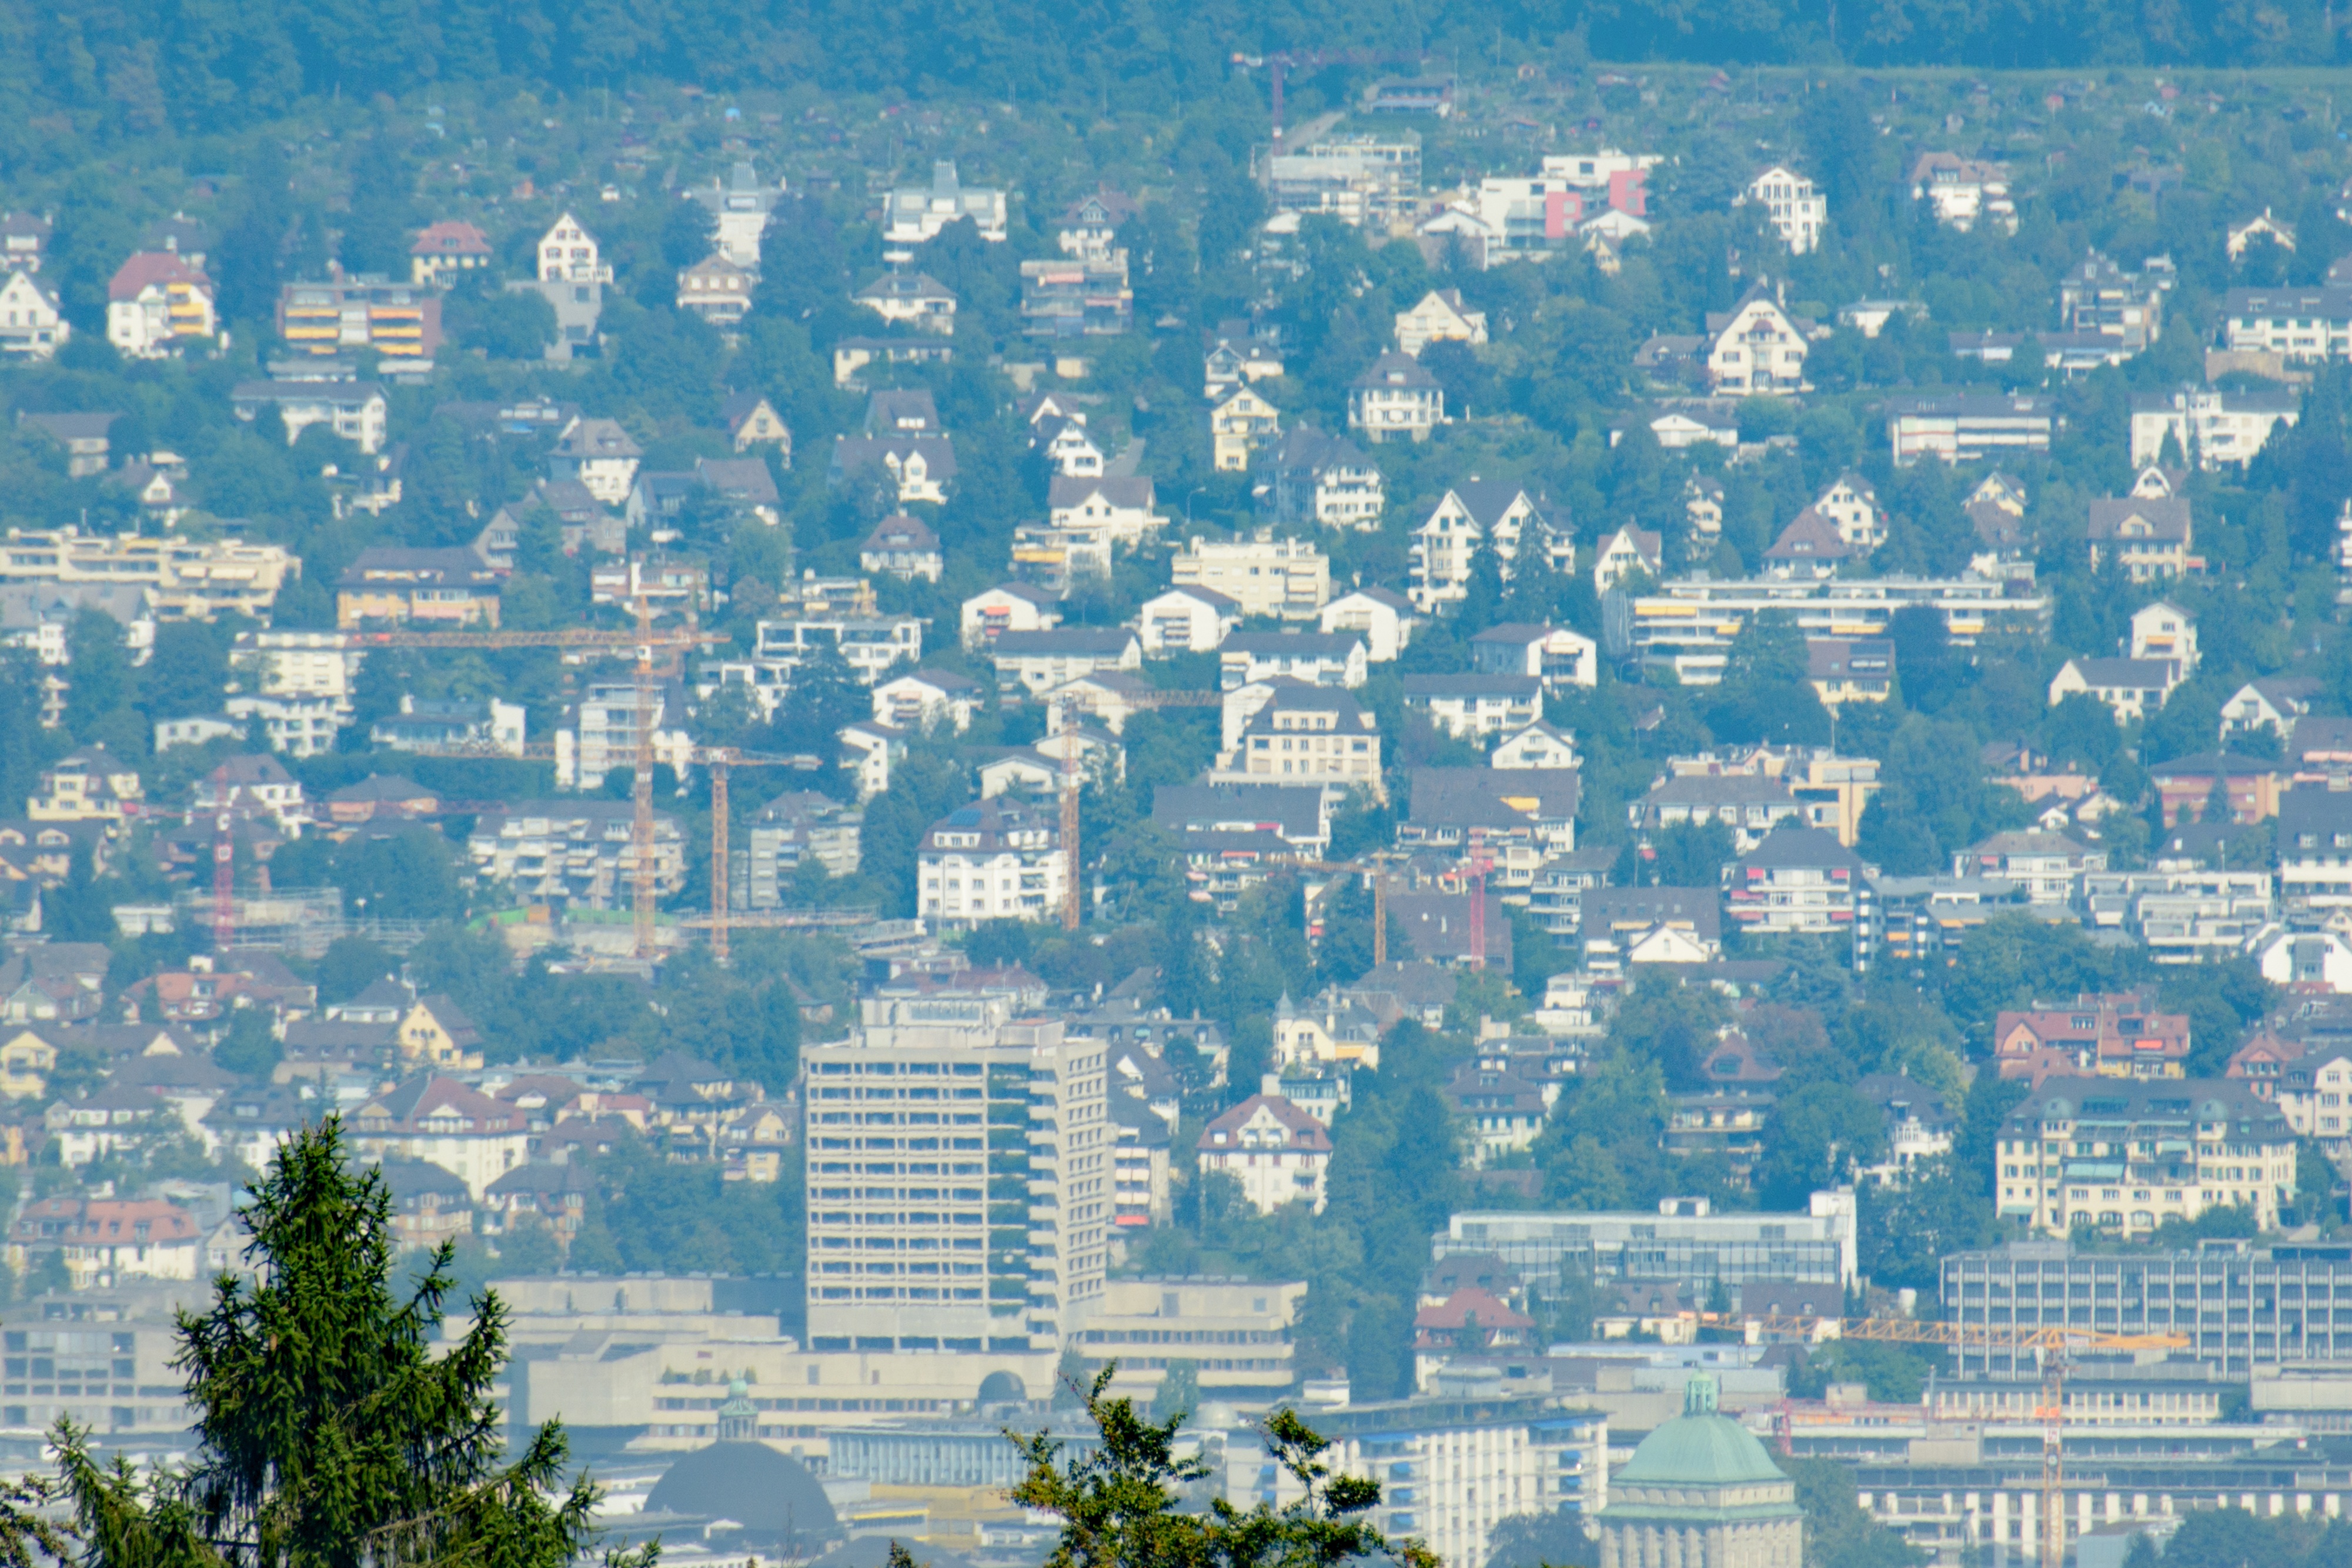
(1699, 1448)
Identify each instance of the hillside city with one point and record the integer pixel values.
(1634, 782)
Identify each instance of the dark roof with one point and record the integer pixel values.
(2314, 808)
(770, 1494)
(1293, 811)
(1289, 644)
(1064, 640)
(2167, 516)
(1483, 797)
(1465, 684)
(1807, 848)
(1701, 909)
(411, 1179)
(2206, 764)
(1118, 489)
(1487, 499)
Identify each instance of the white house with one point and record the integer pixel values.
(1383, 618)
(155, 303)
(1277, 1151)
(2210, 427)
(1555, 655)
(1469, 516)
(1626, 553)
(600, 454)
(1008, 607)
(904, 547)
(1038, 662)
(914, 213)
(1117, 508)
(569, 253)
(1756, 347)
(993, 859)
(2165, 630)
(1241, 424)
(2272, 702)
(1191, 620)
(1851, 504)
(920, 301)
(2242, 235)
(2131, 688)
(1263, 575)
(32, 325)
(1538, 745)
(1797, 212)
(1395, 398)
(354, 411)
(1316, 658)
(1326, 479)
(922, 700)
(1963, 192)
(1441, 315)
(2287, 957)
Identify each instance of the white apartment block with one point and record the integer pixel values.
(1265, 576)
(281, 663)
(2210, 427)
(579, 852)
(1360, 180)
(914, 213)
(1963, 192)
(993, 860)
(1454, 1467)
(907, 1180)
(1797, 212)
(191, 578)
(870, 645)
(2300, 325)
(1690, 622)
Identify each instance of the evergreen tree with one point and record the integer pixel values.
(329, 1434)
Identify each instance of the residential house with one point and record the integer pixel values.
(1189, 620)
(1332, 1031)
(25, 241)
(908, 468)
(1395, 398)
(1628, 552)
(2047, 867)
(1801, 880)
(445, 251)
(995, 860)
(1277, 1151)
(2208, 427)
(2165, 630)
(1515, 818)
(32, 325)
(1627, 927)
(1316, 658)
(1471, 705)
(1851, 505)
(1798, 212)
(429, 1205)
(1553, 654)
(442, 1121)
(1235, 353)
(482, 726)
(82, 435)
(1068, 446)
(569, 253)
(1241, 424)
(1326, 479)
(2131, 688)
(1757, 349)
(1441, 317)
(1089, 226)
(1263, 575)
(1310, 734)
(1008, 607)
(1383, 618)
(921, 700)
(2314, 851)
(2185, 787)
(1475, 514)
(904, 547)
(752, 421)
(354, 411)
(1038, 662)
(1751, 805)
(90, 785)
(1963, 192)
(2271, 703)
(1850, 669)
(426, 586)
(916, 299)
(2265, 226)
(1703, 504)
(600, 455)
(1538, 745)
(912, 215)
(717, 289)
(1501, 1112)
(157, 303)
(1068, 297)
(1809, 548)
(2099, 296)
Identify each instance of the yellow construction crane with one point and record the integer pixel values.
(2050, 1344)
(643, 641)
(1058, 713)
(720, 760)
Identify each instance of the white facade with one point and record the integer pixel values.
(997, 860)
(1798, 212)
(1276, 1150)
(1757, 350)
(1383, 620)
(914, 213)
(1440, 317)
(1266, 576)
(2210, 427)
(1963, 192)
(569, 253)
(31, 326)
(1186, 620)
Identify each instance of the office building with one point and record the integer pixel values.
(1683, 1241)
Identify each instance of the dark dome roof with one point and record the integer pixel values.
(874, 1552)
(766, 1492)
(999, 1387)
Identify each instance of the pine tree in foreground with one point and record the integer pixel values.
(328, 1435)
(1120, 1507)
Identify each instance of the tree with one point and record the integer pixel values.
(1119, 1506)
(1540, 1541)
(328, 1433)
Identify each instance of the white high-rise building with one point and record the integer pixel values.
(960, 1179)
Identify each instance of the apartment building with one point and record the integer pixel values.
(993, 859)
(2315, 850)
(1964, 192)
(2124, 1035)
(1076, 297)
(2150, 535)
(959, 1174)
(2124, 1156)
(1683, 1240)
(1263, 575)
(1360, 180)
(1801, 880)
(1308, 735)
(1242, 424)
(1237, 1334)
(1474, 515)
(573, 852)
(870, 645)
(1798, 212)
(1326, 479)
(191, 580)
(445, 252)
(2208, 427)
(2302, 325)
(1276, 1150)
(912, 215)
(2047, 867)
(1395, 398)
(354, 411)
(1968, 427)
(156, 304)
(1689, 624)
(1756, 348)
(444, 587)
(600, 732)
(1454, 1466)
(343, 314)
(2099, 296)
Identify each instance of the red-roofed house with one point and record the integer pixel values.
(2116, 1035)
(116, 1239)
(446, 252)
(155, 303)
(1276, 1151)
(444, 1123)
(2261, 1062)
(1470, 1321)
